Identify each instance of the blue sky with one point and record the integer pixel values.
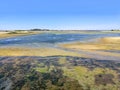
(60, 14)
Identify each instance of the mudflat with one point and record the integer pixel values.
(107, 47)
(107, 43)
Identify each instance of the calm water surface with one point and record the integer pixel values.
(49, 40)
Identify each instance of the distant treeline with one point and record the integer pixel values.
(40, 29)
(115, 30)
(57, 30)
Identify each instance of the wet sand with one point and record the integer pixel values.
(108, 43)
(97, 49)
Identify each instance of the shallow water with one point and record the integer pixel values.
(49, 40)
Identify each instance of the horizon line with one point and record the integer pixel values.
(60, 29)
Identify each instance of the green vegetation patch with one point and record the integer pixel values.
(42, 70)
(87, 77)
(41, 65)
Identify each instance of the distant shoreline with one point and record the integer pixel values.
(7, 34)
(57, 30)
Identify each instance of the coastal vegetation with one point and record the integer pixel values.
(58, 73)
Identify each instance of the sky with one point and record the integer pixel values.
(60, 14)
